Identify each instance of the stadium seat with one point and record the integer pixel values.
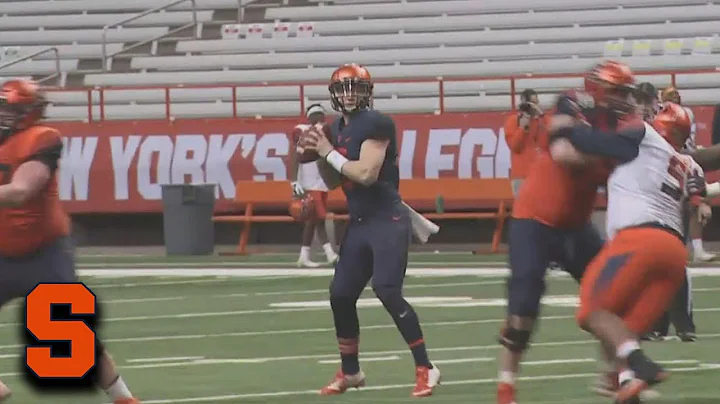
(100, 20)
(321, 74)
(641, 15)
(440, 7)
(388, 56)
(452, 38)
(69, 36)
(131, 7)
(74, 51)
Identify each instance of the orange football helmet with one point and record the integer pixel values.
(351, 88)
(302, 209)
(22, 104)
(611, 84)
(673, 123)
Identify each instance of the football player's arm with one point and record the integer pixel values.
(621, 147)
(708, 157)
(329, 175)
(366, 169)
(31, 176)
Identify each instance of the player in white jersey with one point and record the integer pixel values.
(306, 180)
(633, 280)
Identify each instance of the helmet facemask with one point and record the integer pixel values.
(351, 94)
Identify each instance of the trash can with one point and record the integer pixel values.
(187, 219)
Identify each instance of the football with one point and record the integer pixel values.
(307, 156)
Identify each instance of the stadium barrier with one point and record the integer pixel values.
(422, 194)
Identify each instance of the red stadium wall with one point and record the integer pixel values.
(112, 171)
(118, 167)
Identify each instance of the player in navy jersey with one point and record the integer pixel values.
(364, 151)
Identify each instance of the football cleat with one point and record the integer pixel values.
(341, 382)
(506, 394)
(653, 336)
(332, 259)
(647, 373)
(703, 256)
(425, 380)
(307, 263)
(687, 336)
(606, 384)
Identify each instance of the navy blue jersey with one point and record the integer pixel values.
(382, 197)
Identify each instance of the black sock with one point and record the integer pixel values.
(408, 324)
(347, 330)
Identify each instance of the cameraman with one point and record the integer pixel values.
(526, 135)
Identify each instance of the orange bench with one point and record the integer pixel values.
(471, 195)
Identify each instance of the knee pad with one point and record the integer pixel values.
(391, 298)
(514, 340)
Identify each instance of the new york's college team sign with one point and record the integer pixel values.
(121, 166)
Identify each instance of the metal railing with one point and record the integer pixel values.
(105, 55)
(58, 72)
(237, 89)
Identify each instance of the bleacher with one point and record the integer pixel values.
(261, 62)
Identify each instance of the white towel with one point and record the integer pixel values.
(421, 226)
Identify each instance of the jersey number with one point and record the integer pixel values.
(676, 169)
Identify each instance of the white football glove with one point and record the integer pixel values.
(297, 189)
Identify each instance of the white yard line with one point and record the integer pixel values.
(180, 337)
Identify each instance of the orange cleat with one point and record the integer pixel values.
(341, 382)
(506, 394)
(425, 381)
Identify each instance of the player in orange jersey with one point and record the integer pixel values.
(628, 286)
(35, 245)
(551, 214)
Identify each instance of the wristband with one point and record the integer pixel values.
(336, 160)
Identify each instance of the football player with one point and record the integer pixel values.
(306, 178)
(35, 245)
(551, 214)
(634, 278)
(364, 151)
(671, 94)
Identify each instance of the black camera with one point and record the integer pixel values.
(526, 107)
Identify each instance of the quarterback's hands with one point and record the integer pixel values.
(297, 189)
(316, 140)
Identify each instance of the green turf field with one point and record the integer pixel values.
(270, 339)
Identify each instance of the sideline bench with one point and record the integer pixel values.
(463, 199)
